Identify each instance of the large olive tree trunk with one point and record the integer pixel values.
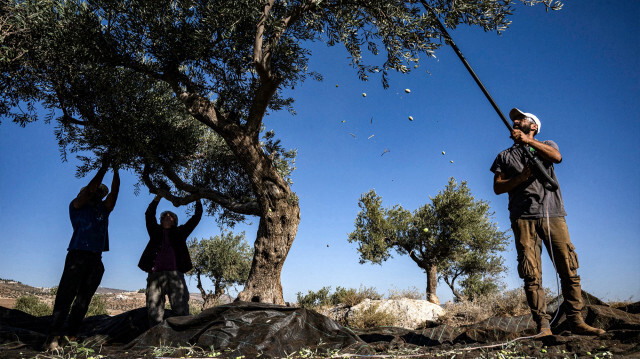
(279, 219)
(276, 232)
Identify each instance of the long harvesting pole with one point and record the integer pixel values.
(548, 182)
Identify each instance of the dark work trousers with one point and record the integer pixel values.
(530, 234)
(81, 277)
(166, 283)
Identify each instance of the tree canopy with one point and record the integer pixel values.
(452, 237)
(178, 90)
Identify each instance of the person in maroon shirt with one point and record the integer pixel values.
(166, 259)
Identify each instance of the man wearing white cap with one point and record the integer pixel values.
(537, 216)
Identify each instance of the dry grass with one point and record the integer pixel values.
(508, 304)
(410, 293)
(371, 317)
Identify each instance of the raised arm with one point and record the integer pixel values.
(110, 201)
(84, 196)
(194, 220)
(545, 151)
(150, 214)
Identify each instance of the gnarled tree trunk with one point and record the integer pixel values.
(209, 299)
(432, 283)
(276, 232)
(279, 219)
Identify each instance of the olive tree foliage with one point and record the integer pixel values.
(178, 90)
(452, 238)
(225, 259)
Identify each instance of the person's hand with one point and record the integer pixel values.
(106, 160)
(115, 166)
(519, 136)
(525, 174)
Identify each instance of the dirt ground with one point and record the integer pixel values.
(7, 302)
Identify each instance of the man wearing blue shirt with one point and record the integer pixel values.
(83, 268)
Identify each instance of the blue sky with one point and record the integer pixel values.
(576, 69)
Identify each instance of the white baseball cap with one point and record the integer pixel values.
(515, 113)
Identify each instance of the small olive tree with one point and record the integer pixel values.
(453, 236)
(225, 259)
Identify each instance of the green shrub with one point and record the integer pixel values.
(194, 309)
(477, 286)
(351, 296)
(371, 318)
(314, 299)
(142, 290)
(346, 296)
(30, 304)
(53, 290)
(98, 306)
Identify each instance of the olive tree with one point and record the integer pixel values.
(178, 90)
(225, 259)
(452, 237)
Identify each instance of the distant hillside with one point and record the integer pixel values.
(14, 289)
(118, 300)
(110, 291)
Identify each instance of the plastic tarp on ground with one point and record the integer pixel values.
(497, 329)
(18, 329)
(237, 328)
(251, 329)
(622, 337)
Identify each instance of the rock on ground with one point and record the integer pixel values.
(409, 313)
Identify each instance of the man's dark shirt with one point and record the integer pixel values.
(166, 258)
(530, 199)
(176, 235)
(90, 228)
